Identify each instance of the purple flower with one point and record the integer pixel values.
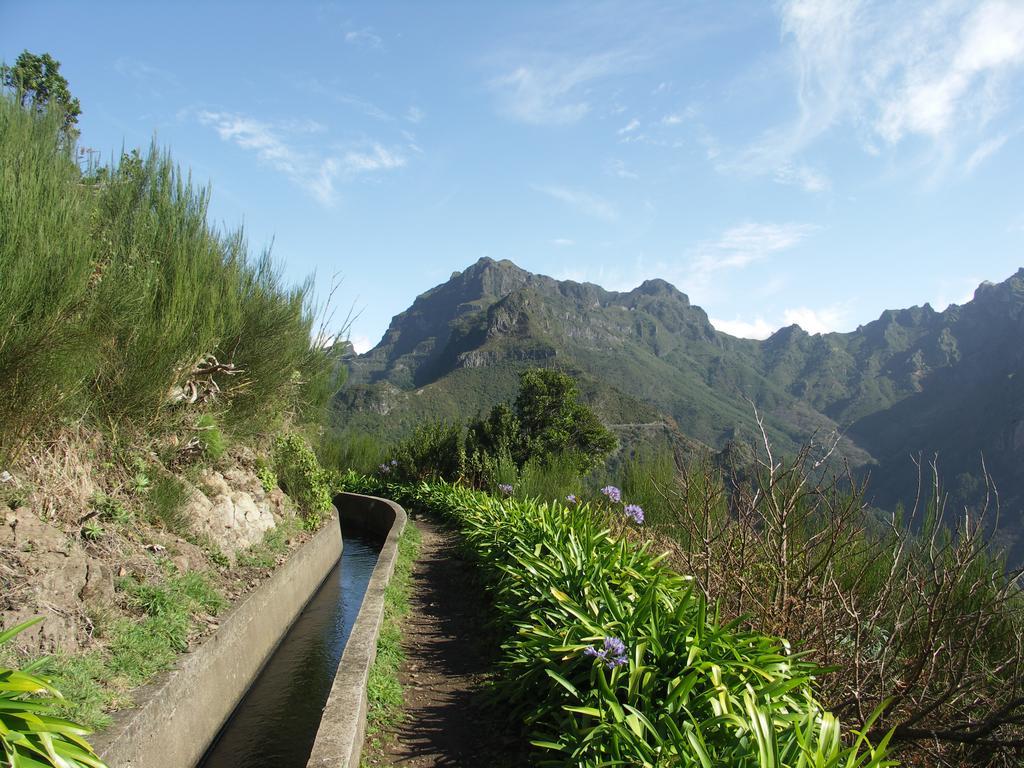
(385, 468)
(570, 499)
(614, 494)
(635, 513)
(394, 462)
(613, 654)
(505, 488)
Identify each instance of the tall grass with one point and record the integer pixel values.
(46, 262)
(344, 450)
(117, 292)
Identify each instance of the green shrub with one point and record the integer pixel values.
(302, 478)
(613, 659)
(46, 259)
(649, 478)
(345, 450)
(215, 445)
(550, 480)
(118, 297)
(267, 478)
(166, 499)
(29, 735)
(434, 451)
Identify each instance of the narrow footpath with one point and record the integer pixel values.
(448, 662)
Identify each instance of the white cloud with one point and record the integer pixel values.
(690, 112)
(363, 38)
(823, 320)
(255, 135)
(629, 127)
(414, 114)
(361, 344)
(582, 201)
(609, 278)
(955, 292)
(744, 244)
(313, 170)
(376, 158)
(936, 90)
(758, 329)
(563, 242)
(802, 176)
(552, 90)
(937, 70)
(619, 169)
(327, 91)
(984, 152)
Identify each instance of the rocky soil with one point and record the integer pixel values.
(52, 566)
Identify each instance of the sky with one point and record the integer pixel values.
(810, 162)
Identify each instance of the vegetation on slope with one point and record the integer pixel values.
(610, 658)
(143, 354)
(913, 622)
(914, 382)
(122, 307)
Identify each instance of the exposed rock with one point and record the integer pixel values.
(59, 580)
(232, 509)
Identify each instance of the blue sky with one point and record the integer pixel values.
(809, 162)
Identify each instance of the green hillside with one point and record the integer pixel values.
(914, 382)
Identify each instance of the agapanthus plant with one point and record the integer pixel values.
(635, 513)
(613, 654)
(614, 494)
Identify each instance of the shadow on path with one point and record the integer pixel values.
(449, 657)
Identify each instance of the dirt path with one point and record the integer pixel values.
(448, 660)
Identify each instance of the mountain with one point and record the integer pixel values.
(914, 381)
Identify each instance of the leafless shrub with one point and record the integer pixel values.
(912, 610)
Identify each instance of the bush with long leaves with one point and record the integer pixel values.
(610, 658)
(30, 738)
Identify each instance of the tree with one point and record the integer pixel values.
(552, 421)
(38, 85)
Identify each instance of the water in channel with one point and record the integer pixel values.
(275, 723)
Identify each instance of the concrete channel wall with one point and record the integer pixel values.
(339, 740)
(179, 714)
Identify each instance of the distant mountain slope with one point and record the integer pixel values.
(913, 381)
(463, 342)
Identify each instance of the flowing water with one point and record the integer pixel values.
(275, 723)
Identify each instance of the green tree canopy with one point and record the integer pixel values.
(553, 421)
(547, 420)
(39, 85)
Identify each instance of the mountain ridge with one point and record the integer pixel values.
(912, 381)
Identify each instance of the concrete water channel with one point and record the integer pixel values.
(275, 724)
(283, 681)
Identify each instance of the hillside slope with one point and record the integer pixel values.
(914, 381)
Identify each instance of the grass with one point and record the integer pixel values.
(165, 500)
(383, 689)
(135, 647)
(118, 293)
(274, 545)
